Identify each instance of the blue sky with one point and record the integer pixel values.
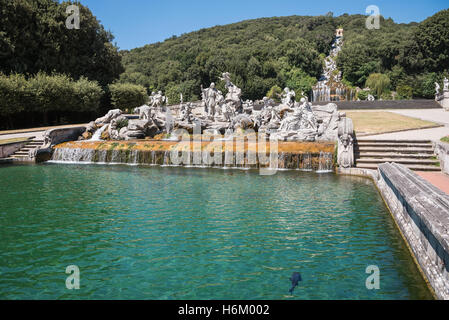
(135, 23)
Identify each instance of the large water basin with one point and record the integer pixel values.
(191, 233)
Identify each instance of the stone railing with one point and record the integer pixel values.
(53, 137)
(8, 149)
(422, 213)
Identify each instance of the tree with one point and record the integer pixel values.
(379, 83)
(14, 95)
(275, 93)
(404, 92)
(299, 81)
(34, 38)
(431, 43)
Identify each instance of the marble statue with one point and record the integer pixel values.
(445, 84)
(145, 112)
(186, 113)
(211, 96)
(437, 88)
(112, 114)
(234, 93)
(288, 97)
(345, 157)
(158, 100)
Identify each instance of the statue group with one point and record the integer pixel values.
(289, 120)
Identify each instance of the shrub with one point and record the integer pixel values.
(13, 93)
(86, 95)
(127, 95)
(404, 92)
(363, 95)
(379, 83)
(44, 94)
(121, 123)
(386, 96)
(275, 93)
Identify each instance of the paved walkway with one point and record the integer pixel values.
(436, 115)
(438, 179)
(32, 132)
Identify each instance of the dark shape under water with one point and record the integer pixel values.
(296, 277)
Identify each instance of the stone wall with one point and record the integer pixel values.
(9, 148)
(421, 211)
(385, 104)
(56, 136)
(442, 150)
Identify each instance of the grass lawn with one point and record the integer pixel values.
(384, 121)
(5, 141)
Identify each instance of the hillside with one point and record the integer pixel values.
(288, 51)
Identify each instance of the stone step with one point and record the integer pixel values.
(7, 160)
(393, 150)
(410, 166)
(395, 145)
(393, 141)
(361, 155)
(19, 156)
(399, 160)
(21, 152)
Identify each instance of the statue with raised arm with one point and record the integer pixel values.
(234, 92)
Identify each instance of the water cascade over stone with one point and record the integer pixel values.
(329, 86)
(97, 135)
(321, 162)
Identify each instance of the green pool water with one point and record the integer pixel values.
(187, 233)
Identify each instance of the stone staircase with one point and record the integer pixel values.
(417, 155)
(23, 153)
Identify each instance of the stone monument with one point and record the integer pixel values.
(443, 98)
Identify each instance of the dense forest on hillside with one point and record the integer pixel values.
(289, 51)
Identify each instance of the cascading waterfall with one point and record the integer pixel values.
(320, 162)
(325, 162)
(329, 87)
(97, 135)
(307, 162)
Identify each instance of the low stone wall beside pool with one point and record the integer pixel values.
(442, 150)
(421, 211)
(8, 149)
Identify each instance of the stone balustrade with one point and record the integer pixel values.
(421, 212)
